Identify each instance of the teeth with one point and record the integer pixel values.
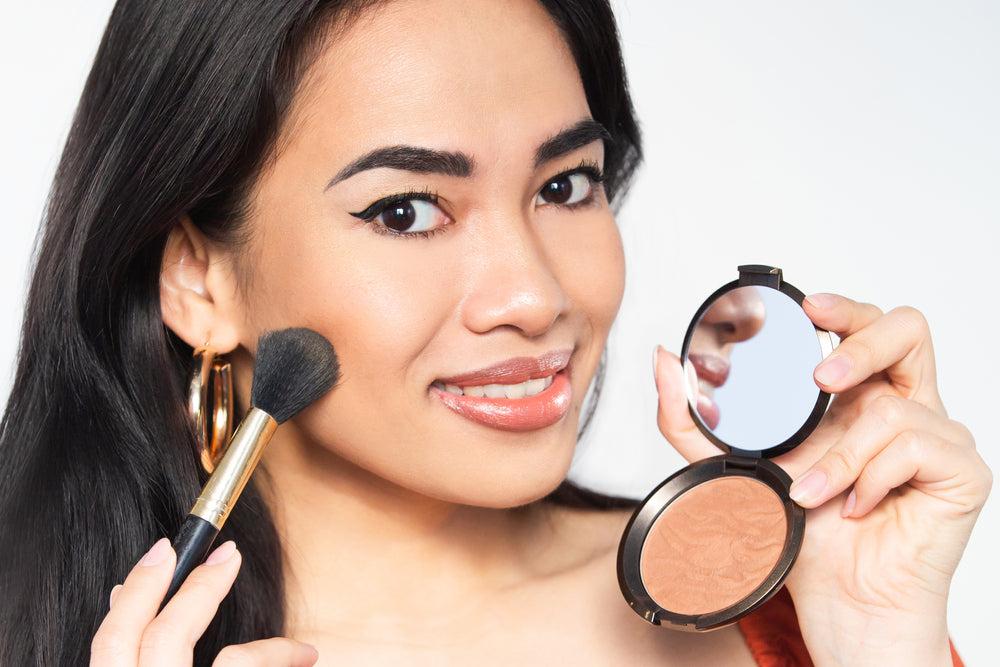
(519, 390)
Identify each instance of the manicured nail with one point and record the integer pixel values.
(157, 553)
(852, 500)
(822, 300)
(222, 553)
(808, 487)
(114, 593)
(834, 369)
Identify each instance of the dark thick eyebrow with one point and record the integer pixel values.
(568, 140)
(409, 158)
(455, 163)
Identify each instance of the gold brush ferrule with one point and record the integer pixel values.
(233, 471)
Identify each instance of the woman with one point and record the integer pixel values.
(430, 186)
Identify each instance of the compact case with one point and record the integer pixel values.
(716, 539)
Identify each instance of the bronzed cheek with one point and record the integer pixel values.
(596, 279)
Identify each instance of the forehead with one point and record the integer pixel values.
(491, 77)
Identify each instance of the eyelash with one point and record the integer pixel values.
(376, 208)
(379, 206)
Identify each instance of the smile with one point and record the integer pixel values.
(540, 395)
(519, 390)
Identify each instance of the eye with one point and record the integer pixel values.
(407, 214)
(566, 189)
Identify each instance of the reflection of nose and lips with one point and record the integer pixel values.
(736, 316)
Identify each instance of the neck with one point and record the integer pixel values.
(361, 552)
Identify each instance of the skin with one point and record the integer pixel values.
(406, 528)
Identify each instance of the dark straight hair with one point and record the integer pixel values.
(179, 114)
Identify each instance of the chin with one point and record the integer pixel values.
(494, 476)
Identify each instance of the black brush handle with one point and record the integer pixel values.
(192, 543)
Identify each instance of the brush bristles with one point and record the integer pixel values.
(294, 368)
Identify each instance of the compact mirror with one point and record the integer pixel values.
(748, 358)
(716, 539)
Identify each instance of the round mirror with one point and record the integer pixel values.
(749, 358)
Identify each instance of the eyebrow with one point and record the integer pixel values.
(408, 158)
(577, 136)
(455, 163)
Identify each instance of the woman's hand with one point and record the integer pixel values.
(893, 488)
(133, 633)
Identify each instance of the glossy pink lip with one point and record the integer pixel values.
(709, 411)
(512, 371)
(715, 371)
(710, 368)
(515, 414)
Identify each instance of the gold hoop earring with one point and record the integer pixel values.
(211, 373)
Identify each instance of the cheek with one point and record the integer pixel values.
(590, 261)
(376, 300)
(376, 306)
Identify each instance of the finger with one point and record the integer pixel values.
(898, 343)
(117, 639)
(839, 314)
(171, 636)
(114, 592)
(884, 419)
(928, 461)
(277, 651)
(673, 416)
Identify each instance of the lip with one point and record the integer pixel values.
(713, 370)
(708, 411)
(710, 368)
(514, 370)
(515, 414)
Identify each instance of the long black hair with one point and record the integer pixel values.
(179, 114)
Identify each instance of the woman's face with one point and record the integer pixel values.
(474, 90)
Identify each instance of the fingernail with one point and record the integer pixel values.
(822, 300)
(114, 593)
(808, 487)
(656, 359)
(852, 500)
(222, 553)
(833, 370)
(157, 553)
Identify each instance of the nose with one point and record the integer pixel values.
(737, 315)
(513, 283)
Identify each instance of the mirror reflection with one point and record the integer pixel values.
(749, 367)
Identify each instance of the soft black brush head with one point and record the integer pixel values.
(294, 368)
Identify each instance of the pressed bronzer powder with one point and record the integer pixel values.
(713, 545)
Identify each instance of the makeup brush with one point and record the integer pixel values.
(294, 368)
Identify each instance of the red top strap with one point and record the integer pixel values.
(772, 633)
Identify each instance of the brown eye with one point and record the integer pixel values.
(411, 216)
(565, 190)
(398, 217)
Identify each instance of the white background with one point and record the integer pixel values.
(855, 144)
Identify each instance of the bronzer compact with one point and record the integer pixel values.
(716, 539)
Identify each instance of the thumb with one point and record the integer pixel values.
(673, 416)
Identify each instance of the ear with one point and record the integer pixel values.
(197, 289)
